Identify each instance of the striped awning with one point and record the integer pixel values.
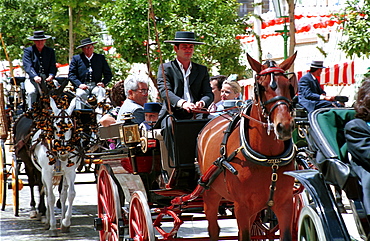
(339, 74)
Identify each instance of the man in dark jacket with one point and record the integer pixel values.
(185, 86)
(310, 94)
(86, 71)
(40, 65)
(187, 83)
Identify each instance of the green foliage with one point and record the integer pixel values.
(215, 22)
(356, 26)
(19, 18)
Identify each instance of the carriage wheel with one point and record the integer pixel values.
(310, 227)
(108, 206)
(3, 176)
(140, 219)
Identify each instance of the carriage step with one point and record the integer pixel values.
(170, 192)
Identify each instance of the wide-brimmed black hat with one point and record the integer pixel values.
(317, 64)
(183, 37)
(85, 42)
(39, 35)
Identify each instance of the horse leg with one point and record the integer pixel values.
(70, 179)
(47, 176)
(33, 212)
(63, 196)
(211, 203)
(30, 172)
(284, 214)
(244, 219)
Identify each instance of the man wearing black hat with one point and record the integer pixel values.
(187, 86)
(86, 71)
(310, 94)
(187, 83)
(39, 63)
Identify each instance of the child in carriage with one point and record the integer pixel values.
(357, 133)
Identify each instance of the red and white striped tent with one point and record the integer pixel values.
(339, 74)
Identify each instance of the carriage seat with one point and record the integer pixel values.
(184, 175)
(332, 125)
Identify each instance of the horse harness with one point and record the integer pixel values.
(55, 146)
(223, 162)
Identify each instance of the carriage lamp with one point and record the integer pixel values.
(281, 11)
(130, 134)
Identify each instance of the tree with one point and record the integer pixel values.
(355, 22)
(19, 18)
(215, 22)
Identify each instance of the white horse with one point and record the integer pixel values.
(54, 156)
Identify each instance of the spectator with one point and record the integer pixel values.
(216, 85)
(86, 71)
(310, 94)
(230, 91)
(117, 96)
(357, 133)
(151, 111)
(136, 90)
(40, 64)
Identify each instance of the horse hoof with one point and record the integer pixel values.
(43, 219)
(53, 233)
(33, 214)
(65, 229)
(47, 226)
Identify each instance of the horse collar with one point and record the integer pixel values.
(261, 159)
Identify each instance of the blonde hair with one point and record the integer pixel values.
(234, 86)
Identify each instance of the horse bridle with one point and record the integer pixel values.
(279, 100)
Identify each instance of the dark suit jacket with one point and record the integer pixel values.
(31, 61)
(309, 92)
(357, 134)
(200, 88)
(78, 69)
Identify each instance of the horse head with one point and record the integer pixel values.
(63, 125)
(274, 91)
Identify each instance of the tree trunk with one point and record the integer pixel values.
(292, 41)
(70, 35)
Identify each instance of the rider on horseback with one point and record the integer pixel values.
(86, 71)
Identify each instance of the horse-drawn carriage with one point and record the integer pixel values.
(140, 188)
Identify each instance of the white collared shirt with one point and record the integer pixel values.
(187, 96)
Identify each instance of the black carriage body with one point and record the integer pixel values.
(327, 150)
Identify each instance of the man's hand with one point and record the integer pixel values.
(100, 84)
(107, 120)
(37, 79)
(329, 98)
(188, 106)
(50, 78)
(199, 104)
(83, 87)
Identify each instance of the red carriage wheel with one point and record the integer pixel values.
(3, 176)
(109, 213)
(140, 219)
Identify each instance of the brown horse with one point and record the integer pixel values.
(260, 149)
